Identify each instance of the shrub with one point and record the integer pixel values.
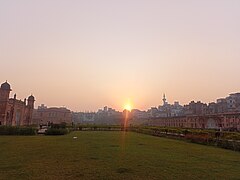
(198, 138)
(60, 131)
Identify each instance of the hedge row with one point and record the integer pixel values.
(195, 136)
(16, 130)
(202, 132)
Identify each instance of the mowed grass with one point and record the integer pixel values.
(113, 155)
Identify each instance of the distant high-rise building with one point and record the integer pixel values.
(164, 100)
(105, 109)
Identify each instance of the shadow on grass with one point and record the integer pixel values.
(114, 145)
(123, 170)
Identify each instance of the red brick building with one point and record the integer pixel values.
(14, 112)
(223, 121)
(44, 115)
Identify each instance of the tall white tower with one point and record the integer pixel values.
(164, 99)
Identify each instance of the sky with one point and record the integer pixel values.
(85, 54)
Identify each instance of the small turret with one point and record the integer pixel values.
(31, 101)
(6, 86)
(5, 91)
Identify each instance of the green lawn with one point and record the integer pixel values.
(113, 155)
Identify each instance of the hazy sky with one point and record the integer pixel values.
(85, 54)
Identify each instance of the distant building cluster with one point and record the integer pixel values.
(107, 116)
(15, 112)
(222, 114)
(164, 110)
(229, 104)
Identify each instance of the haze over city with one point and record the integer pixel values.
(88, 54)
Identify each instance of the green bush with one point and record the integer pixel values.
(55, 132)
(231, 136)
(16, 130)
(63, 125)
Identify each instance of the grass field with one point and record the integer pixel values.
(113, 155)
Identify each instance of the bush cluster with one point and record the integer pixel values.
(59, 126)
(16, 130)
(55, 131)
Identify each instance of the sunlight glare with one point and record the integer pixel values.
(128, 107)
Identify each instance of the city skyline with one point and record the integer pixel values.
(128, 105)
(88, 54)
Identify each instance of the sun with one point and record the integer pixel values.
(128, 107)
